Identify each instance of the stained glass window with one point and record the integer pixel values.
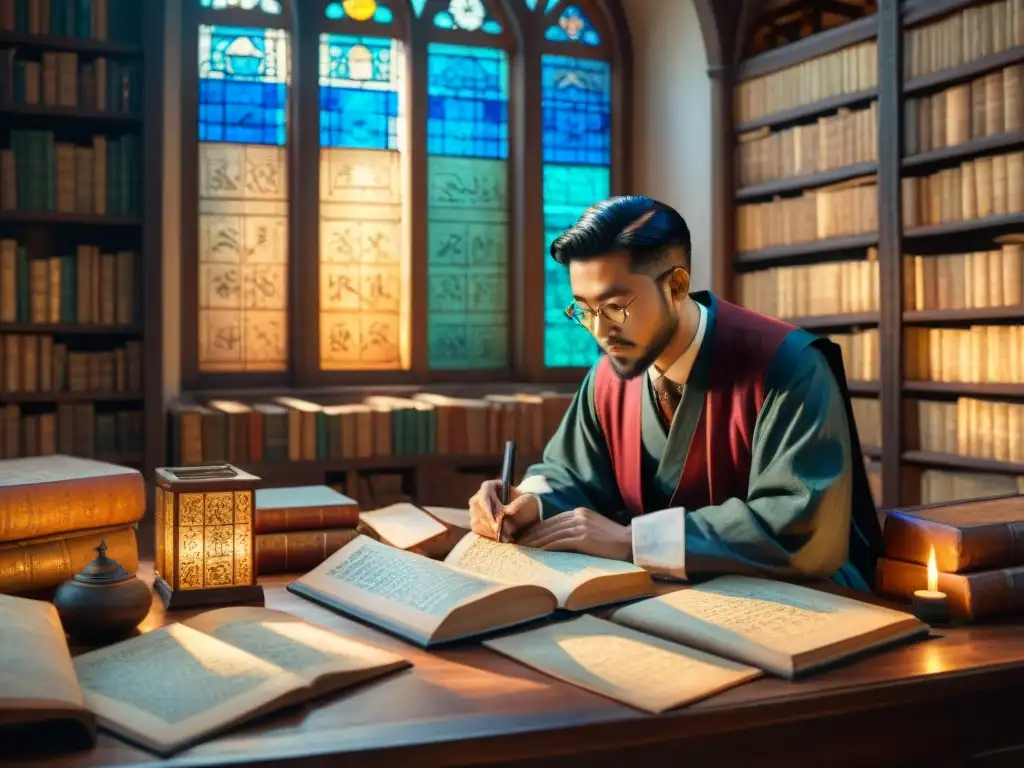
(469, 15)
(417, 7)
(531, 4)
(360, 10)
(467, 131)
(573, 27)
(576, 107)
(364, 266)
(551, 4)
(267, 6)
(243, 196)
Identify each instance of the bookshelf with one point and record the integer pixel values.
(907, 252)
(80, 265)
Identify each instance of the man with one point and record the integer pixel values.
(708, 440)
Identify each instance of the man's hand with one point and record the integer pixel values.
(581, 530)
(486, 511)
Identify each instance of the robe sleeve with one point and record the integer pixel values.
(575, 468)
(795, 519)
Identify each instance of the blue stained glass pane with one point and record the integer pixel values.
(576, 110)
(243, 84)
(383, 15)
(531, 4)
(467, 96)
(573, 27)
(417, 7)
(360, 86)
(267, 6)
(568, 191)
(491, 27)
(444, 20)
(367, 11)
(551, 4)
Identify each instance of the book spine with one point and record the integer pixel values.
(298, 551)
(306, 519)
(49, 564)
(957, 550)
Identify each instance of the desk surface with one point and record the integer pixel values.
(930, 701)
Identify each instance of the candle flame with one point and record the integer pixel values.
(933, 572)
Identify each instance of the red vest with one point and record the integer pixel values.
(717, 467)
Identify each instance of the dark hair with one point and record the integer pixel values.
(636, 224)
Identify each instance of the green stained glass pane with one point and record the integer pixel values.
(468, 263)
(568, 191)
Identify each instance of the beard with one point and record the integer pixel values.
(630, 369)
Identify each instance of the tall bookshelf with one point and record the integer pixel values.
(80, 153)
(880, 200)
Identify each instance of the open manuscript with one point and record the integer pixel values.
(480, 587)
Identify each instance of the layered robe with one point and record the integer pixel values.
(759, 472)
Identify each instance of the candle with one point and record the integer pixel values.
(930, 605)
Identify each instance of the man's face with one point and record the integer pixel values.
(608, 282)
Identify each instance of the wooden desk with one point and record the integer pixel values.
(936, 703)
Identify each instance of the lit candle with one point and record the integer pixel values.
(930, 605)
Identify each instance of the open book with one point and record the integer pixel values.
(480, 587)
(786, 629)
(401, 525)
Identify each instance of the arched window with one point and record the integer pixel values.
(385, 253)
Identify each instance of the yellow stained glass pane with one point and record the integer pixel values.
(243, 257)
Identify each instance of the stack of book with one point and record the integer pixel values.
(299, 528)
(972, 545)
(55, 510)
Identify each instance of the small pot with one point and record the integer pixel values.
(103, 602)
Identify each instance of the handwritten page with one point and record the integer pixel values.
(642, 671)
(402, 525)
(34, 659)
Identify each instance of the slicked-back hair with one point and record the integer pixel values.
(644, 228)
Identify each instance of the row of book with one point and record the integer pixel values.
(295, 429)
(74, 430)
(43, 174)
(985, 186)
(987, 106)
(969, 426)
(860, 354)
(62, 79)
(834, 141)
(941, 485)
(84, 288)
(830, 288)
(965, 280)
(986, 354)
(99, 20)
(849, 208)
(35, 363)
(849, 70)
(963, 37)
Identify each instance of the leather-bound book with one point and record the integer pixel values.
(45, 495)
(298, 551)
(304, 508)
(968, 536)
(972, 596)
(40, 564)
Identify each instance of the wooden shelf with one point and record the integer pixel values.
(968, 71)
(784, 252)
(419, 461)
(964, 389)
(962, 463)
(71, 44)
(67, 113)
(56, 217)
(804, 111)
(64, 398)
(989, 223)
(808, 181)
(863, 387)
(817, 322)
(971, 315)
(66, 329)
(1001, 141)
(812, 47)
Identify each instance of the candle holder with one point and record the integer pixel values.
(204, 537)
(931, 607)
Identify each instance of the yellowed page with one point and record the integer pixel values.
(561, 572)
(757, 621)
(639, 670)
(403, 592)
(175, 685)
(402, 525)
(35, 663)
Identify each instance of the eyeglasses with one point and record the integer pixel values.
(613, 313)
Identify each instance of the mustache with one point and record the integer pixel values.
(619, 342)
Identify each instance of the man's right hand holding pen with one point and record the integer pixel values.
(487, 514)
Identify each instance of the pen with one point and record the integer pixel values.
(508, 468)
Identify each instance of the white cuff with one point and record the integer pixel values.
(536, 486)
(659, 542)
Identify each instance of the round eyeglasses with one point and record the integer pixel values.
(613, 313)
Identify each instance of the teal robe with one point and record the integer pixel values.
(798, 497)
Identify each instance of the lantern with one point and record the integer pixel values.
(204, 536)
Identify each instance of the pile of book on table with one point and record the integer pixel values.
(977, 551)
(54, 511)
